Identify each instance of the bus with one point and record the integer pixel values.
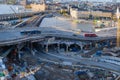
(30, 32)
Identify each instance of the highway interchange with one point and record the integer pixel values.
(14, 37)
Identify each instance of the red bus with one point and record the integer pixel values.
(90, 35)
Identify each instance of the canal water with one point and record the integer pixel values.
(61, 23)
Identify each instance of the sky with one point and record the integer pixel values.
(83, 0)
(90, 0)
(97, 0)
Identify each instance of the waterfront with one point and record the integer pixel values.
(54, 22)
(63, 24)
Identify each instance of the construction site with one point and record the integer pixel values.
(48, 45)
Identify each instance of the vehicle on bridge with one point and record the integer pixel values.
(90, 35)
(30, 32)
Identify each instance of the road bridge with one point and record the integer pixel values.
(81, 38)
(14, 36)
(21, 40)
(35, 22)
(31, 22)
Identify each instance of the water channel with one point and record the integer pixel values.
(65, 24)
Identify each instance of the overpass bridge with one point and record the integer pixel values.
(15, 36)
(80, 38)
(34, 21)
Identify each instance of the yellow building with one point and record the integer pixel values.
(38, 7)
(85, 14)
(101, 14)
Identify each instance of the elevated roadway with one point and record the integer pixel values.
(80, 38)
(21, 40)
(31, 22)
(10, 37)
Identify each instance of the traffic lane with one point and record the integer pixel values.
(101, 64)
(49, 57)
(86, 62)
(9, 35)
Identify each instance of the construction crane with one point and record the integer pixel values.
(20, 20)
(118, 27)
(118, 33)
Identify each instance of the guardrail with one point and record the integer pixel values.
(34, 37)
(79, 65)
(19, 40)
(110, 59)
(34, 21)
(38, 22)
(95, 39)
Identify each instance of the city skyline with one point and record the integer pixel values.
(90, 0)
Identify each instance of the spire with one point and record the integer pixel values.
(117, 13)
(43, 1)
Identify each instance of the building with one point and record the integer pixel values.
(39, 7)
(101, 14)
(81, 13)
(8, 1)
(75, 13)
(24, 2)
(43, 1)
